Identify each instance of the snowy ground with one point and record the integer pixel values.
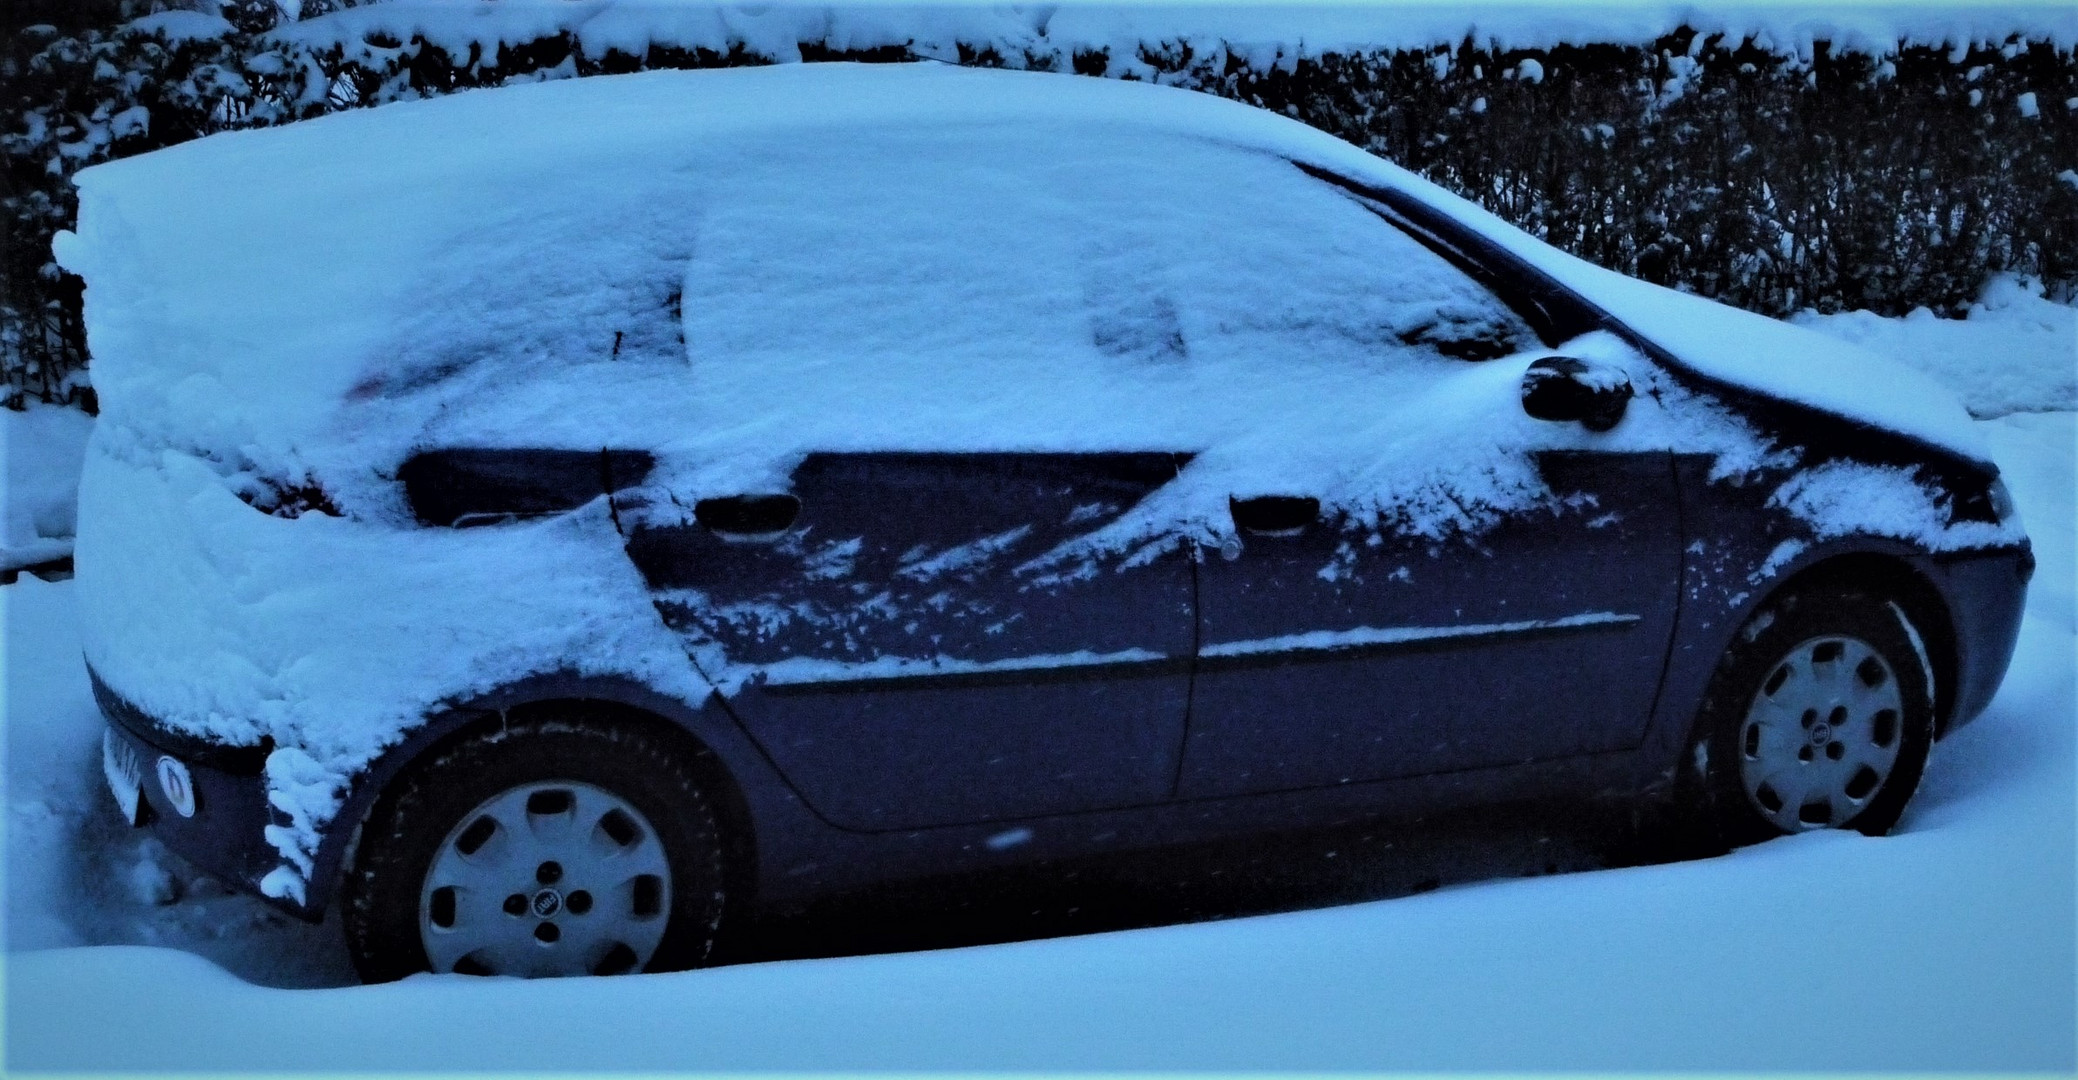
(1947, 946)
(2012, 353)
(40, 450)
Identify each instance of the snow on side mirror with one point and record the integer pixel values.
(1563, 388)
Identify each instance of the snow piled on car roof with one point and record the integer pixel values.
(243, 286)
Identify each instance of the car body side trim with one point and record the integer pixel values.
(1292, 649)
(946, 674)
(1369, 641)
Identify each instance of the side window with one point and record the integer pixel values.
(1058, 290)
(1213, 255)
(876, 290)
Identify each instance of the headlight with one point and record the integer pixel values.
(1990, 505)
(2002, 508)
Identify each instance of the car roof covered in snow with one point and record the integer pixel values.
(250, 282)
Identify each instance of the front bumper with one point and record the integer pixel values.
(1987, 598)
(220, 825)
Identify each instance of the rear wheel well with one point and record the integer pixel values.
(1895, 580)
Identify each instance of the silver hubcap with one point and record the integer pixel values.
(551, 878)
(1822, 735)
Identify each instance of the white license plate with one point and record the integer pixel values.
(124, 771)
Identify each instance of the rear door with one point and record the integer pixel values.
(904, 663)
(902, 432)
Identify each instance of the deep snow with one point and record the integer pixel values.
(1947, 946)
(471, 279)
(40, 450)
(2012, 352)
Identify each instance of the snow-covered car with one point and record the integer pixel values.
(540, 523)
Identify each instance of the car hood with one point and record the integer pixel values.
(1790, 363)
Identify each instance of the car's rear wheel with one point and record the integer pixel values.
(1820, 715)
(545, 847)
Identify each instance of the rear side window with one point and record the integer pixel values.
(1057, 290)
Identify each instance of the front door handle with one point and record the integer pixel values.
(748, 518)
(1274, 515)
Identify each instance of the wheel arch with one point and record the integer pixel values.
(1894, 578)
(739, 835)
(608, 702)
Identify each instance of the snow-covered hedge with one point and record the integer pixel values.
(1871, 158)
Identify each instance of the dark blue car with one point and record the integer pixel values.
(1181, 474)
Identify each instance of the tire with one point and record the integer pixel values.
(1820, 715)
(603, 854)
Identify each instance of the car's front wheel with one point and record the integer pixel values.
(1820, 715)
(545, 847)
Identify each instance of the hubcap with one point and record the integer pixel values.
(549, 878)
(1822, 734)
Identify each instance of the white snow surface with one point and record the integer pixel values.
(491, 245)
(181, 26)
(1776, 358)
(41, 447)
(1948, 946)
(2014, 351)
(1263, 33)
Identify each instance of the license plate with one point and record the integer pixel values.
(124, 771)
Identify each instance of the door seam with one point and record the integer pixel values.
(1191, 552)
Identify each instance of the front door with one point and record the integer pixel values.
(1335, 655)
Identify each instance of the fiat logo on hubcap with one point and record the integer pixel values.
(547, 902)
(1821, 735)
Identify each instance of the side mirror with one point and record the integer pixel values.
(1564, 389)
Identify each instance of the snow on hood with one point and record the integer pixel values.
(1757, 353)
(1720, 342)
(240, 323)
(1791, 362)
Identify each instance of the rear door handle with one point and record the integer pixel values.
(748, 518)
(1275, 515)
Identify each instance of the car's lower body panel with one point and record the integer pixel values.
(1987, 597)
(226, 832)
(798, 855)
